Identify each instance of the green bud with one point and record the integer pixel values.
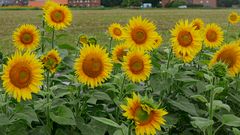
(220, 69)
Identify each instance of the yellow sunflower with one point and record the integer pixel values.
(22, 75)
(116, 31)
(93, 65)
(186, 41)
(51, 60)
(230, 55)
(83, 39)
(213, 35)
(158, 41)
(27, 37)
(48, 4)
(147, 119)
(198, 24)
(233, 18)
(119, 51)
(58, 17)
(137, 65)
(140, 34)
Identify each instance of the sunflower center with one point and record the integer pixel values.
(121, 53)
(20, 75)
(117, 31)
(26, 38)
(92, 66)
(142, 116)
(185, 38)
(136, 65)
(228, 57)
(211, 36)
(139, 36)
(57, 16)
(233, 17)
(51, 61)
(197, 26)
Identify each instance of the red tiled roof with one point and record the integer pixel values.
(40, 3)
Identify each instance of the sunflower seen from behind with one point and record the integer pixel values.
(51, 60)
(58, 17)
(119, 52)
(93, 66)
(116, 31)
(140, 33)
(22, 75)
(27, 37)
(198, 24)
(186, 41)
(230, 55)
(233, 18)
(146, 116)
(213, 35)
(137, 65)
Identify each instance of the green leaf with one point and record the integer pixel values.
(218, 90)
(218, 104)
(199, 98)
(201, 123)
(66, 46)
(26, 113)
(87, 129)
(236, 131)
(231, 120)
(63, 116)
(122, 131)
(4, 120)
(107, 121)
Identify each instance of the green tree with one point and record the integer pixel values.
(155, 3)
(111, 3)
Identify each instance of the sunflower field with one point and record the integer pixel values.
(135, 85)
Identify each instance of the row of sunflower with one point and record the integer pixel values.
(25, 73)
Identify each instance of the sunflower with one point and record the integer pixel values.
(147, 118)
(51, 60)
(116, 31)
(93, 65)
(48, 4)
(233, 18)
(22, 75)
(230, 55)
(198, 24)
(186, 41)
(140, 33)
(83, 39)
(58, 17)
(118, 52)
(158, 41)
(137, 65)
(27, 37)
(213, 35)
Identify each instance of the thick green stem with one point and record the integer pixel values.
(211, 111)
(217, 129)
(169, 58)
(110, 45)
(53, 35)
(122, 88)
(48, 102)
(43, 33)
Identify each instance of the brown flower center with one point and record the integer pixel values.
(121, 53)
(136, 65)
(26, 38)
(144, 117)
(20, 75)
(185, 38)
(197, 26)
(117, 31)
(92, 66)
(57, 16)
(228, 57)
(139, 35)
(233, 17)
(211, 35)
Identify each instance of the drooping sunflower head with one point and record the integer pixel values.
(22, 75)
(116, 31)
(51, 60)
(213, 35)
(140, 33)
(27, 37)
(147, 119)
(58, 17)
(93, 66)
(119, 52)
(158, 41)
(233, 18)
(48, 4)
(186, 41)
(230, 55)
(137, 65)
(198, 24)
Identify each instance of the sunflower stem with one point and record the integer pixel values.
(53, 34)
(169, 58)
(120, 97)
(211, 111)
(43, 33)
(48, 104)
(110, 45)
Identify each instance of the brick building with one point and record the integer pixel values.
(73, 3)
(207, 3)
